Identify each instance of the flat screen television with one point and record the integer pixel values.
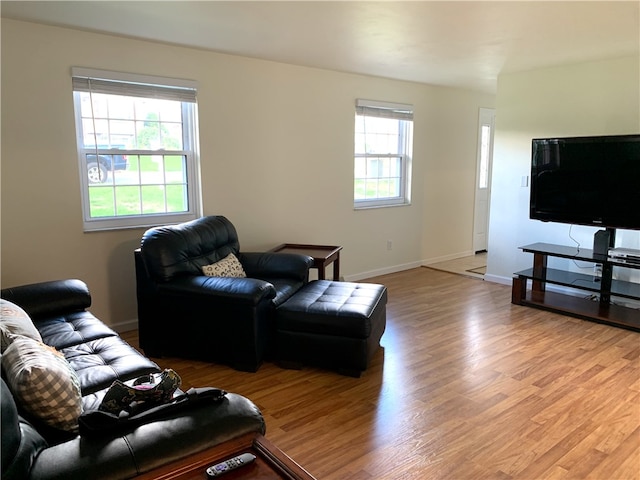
(587, 181)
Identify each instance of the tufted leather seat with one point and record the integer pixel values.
(62, 331)
(99, 362)
(332, 324)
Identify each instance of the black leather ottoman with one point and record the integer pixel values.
(337, 325)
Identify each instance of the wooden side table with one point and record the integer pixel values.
(322, 255)
(271, 463)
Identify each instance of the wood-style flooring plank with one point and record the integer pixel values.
(465, 385)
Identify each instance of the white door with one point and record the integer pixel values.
(486, 123)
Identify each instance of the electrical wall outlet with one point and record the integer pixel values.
(389, 244)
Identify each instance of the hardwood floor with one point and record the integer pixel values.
(465, 386)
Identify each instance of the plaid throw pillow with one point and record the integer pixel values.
(229, 266)
(43, 383)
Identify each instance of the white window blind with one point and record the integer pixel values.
(131, 85)
(372, 108)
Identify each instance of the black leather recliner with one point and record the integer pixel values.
(182, 312)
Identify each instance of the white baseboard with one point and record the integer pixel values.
(408, 266)
(382, 271)
(446, 258)
(498, 279)
(125, 326)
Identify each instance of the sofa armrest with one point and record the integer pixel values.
(248, 291)
(21, 443)
(50, 298)
(149, 446)
(276, 265)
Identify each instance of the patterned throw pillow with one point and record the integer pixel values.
(15, 321)
(43, 383)
(229, 266)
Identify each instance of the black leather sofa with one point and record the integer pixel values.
(31, 450)
(230, 320)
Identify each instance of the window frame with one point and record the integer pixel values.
(117, 83)
(404, 114)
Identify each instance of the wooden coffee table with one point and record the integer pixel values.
(322, 255)
(271, 463)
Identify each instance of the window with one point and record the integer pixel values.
(137, 149)
(383, 148)
(483, 174)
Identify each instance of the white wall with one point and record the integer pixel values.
(276, 159)
(596, 98)
(449, 185)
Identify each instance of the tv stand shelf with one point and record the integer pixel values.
(596, 307)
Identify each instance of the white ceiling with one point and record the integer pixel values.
(454, 43)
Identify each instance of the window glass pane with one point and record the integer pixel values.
(372, 170)
(121, 129)
(148, 135)
(380, 135)
(96, 130)
(170, 111)
(95, 174)
(132, 174)
(384, 187)
(175, 169)
(359, 188)
(394, 167)
(150, 169)
(119, 107)
(127, 200)
(371, 189)
(171, 136)
(394, 187)
(384, 167)
(153, 199)
(177, 200)
(144, 107)
(95, 105)
(483, 177)
(360, 144)
(102, 201)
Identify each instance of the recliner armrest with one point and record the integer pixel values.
(50, 298)
(276, 265)
(238, 290)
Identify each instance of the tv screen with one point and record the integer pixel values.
(587, 180)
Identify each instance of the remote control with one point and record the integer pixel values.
(231, 464)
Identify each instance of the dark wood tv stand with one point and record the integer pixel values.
(601, 310)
